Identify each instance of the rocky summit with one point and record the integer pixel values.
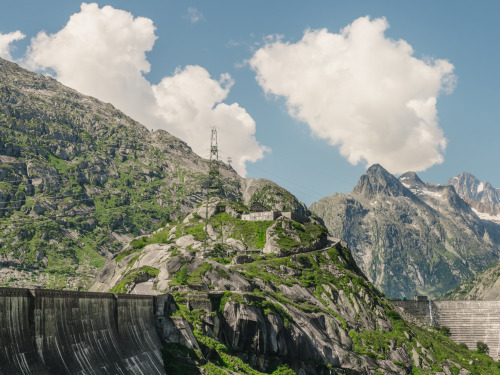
(483, 198)
(410, 237)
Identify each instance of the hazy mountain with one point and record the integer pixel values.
(483, 198)
(409, 237)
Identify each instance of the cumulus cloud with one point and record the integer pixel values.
(194, 15)
(102, 52)
(5, 43)
(362, 91)
(192, 97)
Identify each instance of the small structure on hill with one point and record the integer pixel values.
(273, 215)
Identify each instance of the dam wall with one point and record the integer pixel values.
(61, 332)
(469, 321)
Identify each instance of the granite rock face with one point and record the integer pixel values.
(484, 286)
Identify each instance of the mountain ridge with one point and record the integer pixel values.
(413, 239)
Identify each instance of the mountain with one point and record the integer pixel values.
(483, 198)
(410, 237)
(483, 286)
(273, 297)
(79, 180)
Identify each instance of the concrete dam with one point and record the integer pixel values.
(61, 332)
(469, 321)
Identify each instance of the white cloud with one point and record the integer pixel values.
(5, 43)
(194, 15)
(362, 91)
(192, 97)
(102, 52)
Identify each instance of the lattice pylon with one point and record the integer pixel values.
(214, 186)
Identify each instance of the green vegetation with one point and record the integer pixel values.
(482, 347)
(221, 358)
(251, 233)
(178, 359)
(101, 177)
(442, 349)
(182, 277)
(307, 233)
(135, 276)
(271, 195)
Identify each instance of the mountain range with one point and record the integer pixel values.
(410, 237)
(484, 200)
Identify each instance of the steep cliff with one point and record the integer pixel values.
(409, 237)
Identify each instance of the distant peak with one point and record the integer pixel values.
(467, 175)
(464, 178)
(467, 185)
(410, 179)
(375, 168)
(377, 180)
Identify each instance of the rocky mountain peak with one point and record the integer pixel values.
(483, 198)
(411, 180)
(377, 180)
(467, 185)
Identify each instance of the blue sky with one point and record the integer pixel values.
(220, 42)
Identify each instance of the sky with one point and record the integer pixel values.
(307, 94)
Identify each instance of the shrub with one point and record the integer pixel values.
(482, 347)
(444, 330)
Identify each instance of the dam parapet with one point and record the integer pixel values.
(468, 321)
(64, 332)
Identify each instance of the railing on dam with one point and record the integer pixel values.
(469, 321)
(62, 332)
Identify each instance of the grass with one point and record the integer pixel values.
(182, 277)
(139, 275)
(251, 233)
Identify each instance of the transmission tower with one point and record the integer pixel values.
(214, 186)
